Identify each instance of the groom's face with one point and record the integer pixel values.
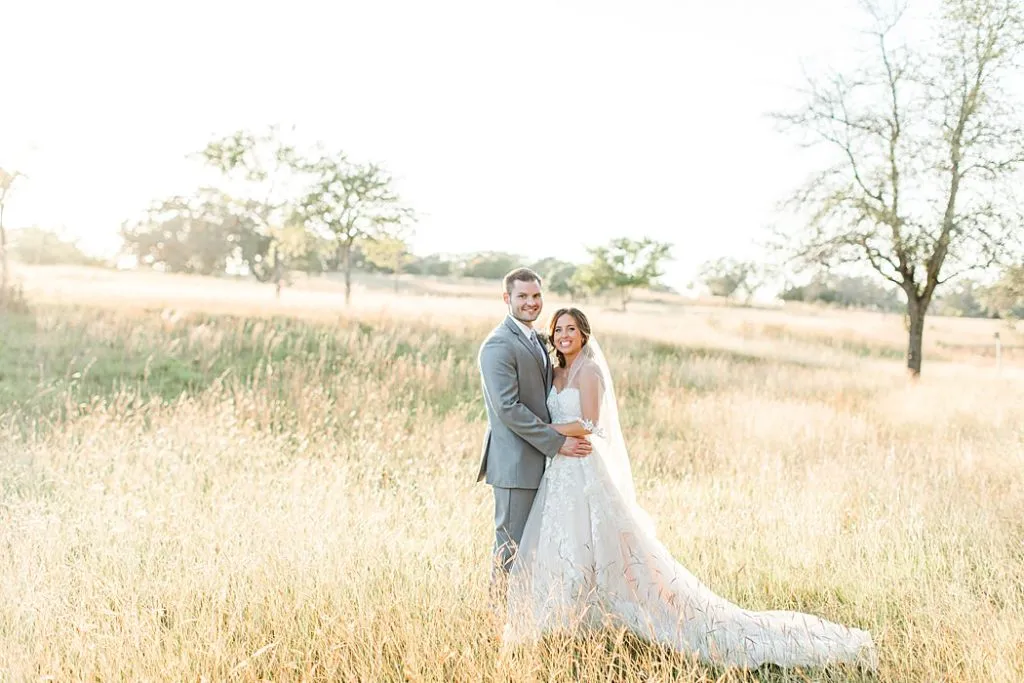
(525, 301)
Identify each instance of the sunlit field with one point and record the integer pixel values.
(203, 482)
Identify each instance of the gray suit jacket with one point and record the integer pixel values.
(516, 385)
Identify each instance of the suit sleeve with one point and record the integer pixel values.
(501, 384)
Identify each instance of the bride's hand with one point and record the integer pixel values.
(576, 448)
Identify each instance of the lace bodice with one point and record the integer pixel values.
(564, 405)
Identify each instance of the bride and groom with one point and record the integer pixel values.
(573, 549)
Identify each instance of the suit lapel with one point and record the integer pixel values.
(529, 347)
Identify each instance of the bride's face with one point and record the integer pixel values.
(567, 338)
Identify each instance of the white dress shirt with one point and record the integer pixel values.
(528, 331)
(531, 335)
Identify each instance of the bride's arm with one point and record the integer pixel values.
(590, 402)
(571, 429)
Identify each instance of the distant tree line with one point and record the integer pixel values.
(966, 299)
(615, 269)
(206, 253)
(1002, 299)
(739, 280)
(845, 292)
(281, 209)
(37, 246)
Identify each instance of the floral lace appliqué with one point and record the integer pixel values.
(591, 427)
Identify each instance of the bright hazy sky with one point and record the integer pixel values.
(536, 127)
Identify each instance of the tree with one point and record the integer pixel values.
(965, 300)
(263, 170)
(1006, 297)
(847, 291)
(269, 255)
(390, 254)
(45, 247)
(6, 183)
(726, 276)
(622, 265)
(300, 248)
(489, 265)
(557, 275)
(349, 202)
(927, 144)
(187, 234)
(433, 264)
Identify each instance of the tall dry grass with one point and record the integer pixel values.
(203, 497)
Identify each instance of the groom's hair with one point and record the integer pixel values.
(520, 275)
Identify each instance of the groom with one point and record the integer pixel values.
(517, 374)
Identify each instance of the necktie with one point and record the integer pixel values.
(537, 348)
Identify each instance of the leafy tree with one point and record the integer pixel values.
(433, 264)
(489, 265)
(928, 142)
(557, 275)
(263, 172)
(726, 276)
(301, 249)
(390, 254)
(966, 299)
(7, 179)
(1006, 297)
(347, 202)
(187, 234)
(45, 247)
(848, 292)
(270, 255)
(622, 265)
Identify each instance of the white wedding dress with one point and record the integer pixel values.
(589, 558)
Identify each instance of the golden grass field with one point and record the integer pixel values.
(200, 482)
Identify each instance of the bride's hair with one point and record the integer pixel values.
(582, 324)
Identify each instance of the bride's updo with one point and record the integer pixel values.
(582, 324)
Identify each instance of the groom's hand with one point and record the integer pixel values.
(576, 448)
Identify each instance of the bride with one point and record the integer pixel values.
(589, 555)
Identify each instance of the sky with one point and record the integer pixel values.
(535, 127)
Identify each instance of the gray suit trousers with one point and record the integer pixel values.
(511, 509)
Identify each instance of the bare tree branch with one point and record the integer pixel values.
(921, 136)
